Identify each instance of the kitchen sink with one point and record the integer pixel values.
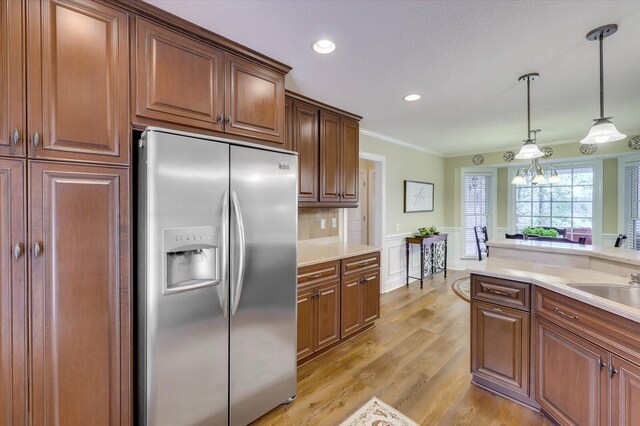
(624, 294)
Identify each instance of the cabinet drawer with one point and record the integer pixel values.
(502, 292)
(357, 264)
(611, 331)
(320, 272)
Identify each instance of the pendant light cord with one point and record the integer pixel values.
(601, 78)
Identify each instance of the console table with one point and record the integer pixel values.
(433, 255)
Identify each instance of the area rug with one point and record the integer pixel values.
(377, 413)
(462, 288)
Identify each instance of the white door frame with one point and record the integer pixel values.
(379, 216)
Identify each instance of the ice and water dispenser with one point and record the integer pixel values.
(191, 258)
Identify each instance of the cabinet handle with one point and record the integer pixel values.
(501, 293)
(312, 276)
(17, 251)
(559, 312)
(229, 120)
(612, 371)
(36, 250)
(601, 364)
(497, 309)
(36, 139)
(220, 118)
(15, 137)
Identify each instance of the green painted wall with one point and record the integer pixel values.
(405, 163)
(567, 151)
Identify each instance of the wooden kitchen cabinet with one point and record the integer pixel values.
(327, 142)
(572, 378)
(79, 292)
(360, 292)
(306, 144)
(78, 81)
(179, 80)
(625, 392)
(318, 317)
(288, 127)
(13, 296)
(500, 346)
(12, 102)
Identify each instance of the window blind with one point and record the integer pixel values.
(632, 201)
(477, 208)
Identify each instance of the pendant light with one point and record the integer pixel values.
(529, 149)
(535, 174)
(603, 130)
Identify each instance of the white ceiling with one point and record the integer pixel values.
(464, 57)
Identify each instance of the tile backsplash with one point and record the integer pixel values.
(310, 223)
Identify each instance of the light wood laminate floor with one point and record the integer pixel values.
(416, 359)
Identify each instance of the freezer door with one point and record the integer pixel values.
(183, 296)
(263, 282)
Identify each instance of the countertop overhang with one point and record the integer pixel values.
(558, 278)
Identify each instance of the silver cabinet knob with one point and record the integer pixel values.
(229, 120)
(15, 137)
(36, 250)
(17, 251)
(36, 139)
(220, 118)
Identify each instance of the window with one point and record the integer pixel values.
(477, 208)
(632, 204)
(567, 206)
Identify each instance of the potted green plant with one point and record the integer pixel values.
(427, 231)
(540, 232)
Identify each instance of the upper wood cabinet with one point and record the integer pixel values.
(79, 292)
(178, 80)
(78, 81)
(288, 127)
(191, 83)
(13, 296)
(305, 143)
(327, 142)
(254, 100)
(12, 102)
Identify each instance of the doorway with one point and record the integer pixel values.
(364, 223)
(358, 218)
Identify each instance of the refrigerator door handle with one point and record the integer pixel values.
(222, 288)
(241, 241)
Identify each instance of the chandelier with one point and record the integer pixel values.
(535, 174)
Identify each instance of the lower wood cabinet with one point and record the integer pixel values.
(318, 317)
(625, 392)
(334, 305)
(500, 346)
(572, 378)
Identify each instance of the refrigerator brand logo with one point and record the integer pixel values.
(284, 165)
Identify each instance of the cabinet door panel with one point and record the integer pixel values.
(179, 80)
(500, 346)
(78, 95)
(350, 163)
(288, 128)
(371, 297)
(79, 217)
(328, 314)
(254, 99)
(305, 322)
(13, 341)
(571, 386)
(330, 152)
(11, 79)
(625, 393)
(351, 317)
(305, 143)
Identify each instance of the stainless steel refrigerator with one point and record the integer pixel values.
(217, 224)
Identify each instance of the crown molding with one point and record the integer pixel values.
(399, 142)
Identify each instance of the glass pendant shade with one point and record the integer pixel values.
(602, 131)
(539, 178)
(529, 151)
(554, 178)
(519, 178)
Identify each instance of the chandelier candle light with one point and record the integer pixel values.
(603, 130)
(535, 174)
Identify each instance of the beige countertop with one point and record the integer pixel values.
(631, 257)
(557, 278)
(310, 253)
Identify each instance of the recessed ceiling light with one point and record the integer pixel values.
(324, 47)
(412, 97)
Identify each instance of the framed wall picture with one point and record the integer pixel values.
(418, 196)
